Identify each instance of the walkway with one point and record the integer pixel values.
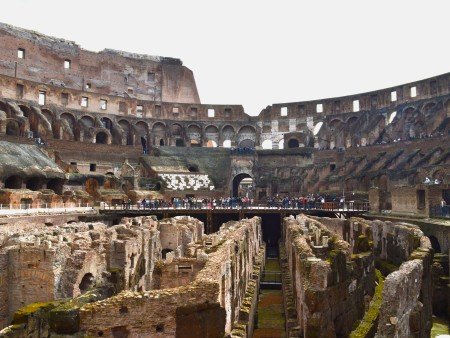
(24, 210)
(270, 312)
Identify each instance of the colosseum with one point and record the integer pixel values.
(128, 208)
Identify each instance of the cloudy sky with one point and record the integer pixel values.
(256, 53)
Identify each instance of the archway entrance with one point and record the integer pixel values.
(101, 138)
(242, 186)
(293, 143)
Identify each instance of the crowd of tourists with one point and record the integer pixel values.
(312, 201)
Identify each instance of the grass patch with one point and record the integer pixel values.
(367, 326)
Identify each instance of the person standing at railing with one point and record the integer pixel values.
(444, 208)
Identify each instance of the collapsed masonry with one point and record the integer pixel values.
(141, 277)
(334, 289)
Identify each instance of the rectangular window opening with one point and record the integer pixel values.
(21, 53)
(319, 108)
(355, 105)
(65, 99)
(433, 87)
(193, 112)
(67, 64)
(227, 112)
(84, 101)
(92, 167)
(374, 101)
(103, 104)
(394, 96)
(175, 111)
(211, 112)
(337, 106)
(413, 91)
(150, 77)
(122, 107)
(42, 97)
(284, 111)
(19, 90)
(158, 110)
(88, 85)
(301, 108)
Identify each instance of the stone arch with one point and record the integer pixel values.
(159, 133)
(87, 121)
(211, 134)
(107, 123)
(68, 126)
(141, 128)
(246, 143)
(246, 136)
(293, 143)
(12, 127)
(195, 135)
(267, 144)
(87, 283)
(4, 107)
(102, 138)
(14, 182)
(127, 135)
(34, 183)
(228, 134)
(435, 244)
(56, 185)
(236, 182)
(177, 132)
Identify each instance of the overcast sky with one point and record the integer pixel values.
(256, 53)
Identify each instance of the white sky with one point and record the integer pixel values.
(257, 53)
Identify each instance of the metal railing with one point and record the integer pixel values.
(30, 209)
(440, 211)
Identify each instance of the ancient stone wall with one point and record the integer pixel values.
(44, 263)
(220, 285)
(329, 283)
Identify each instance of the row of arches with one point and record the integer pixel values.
(34, 183)
(329, 132)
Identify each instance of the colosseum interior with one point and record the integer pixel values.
(128, 208)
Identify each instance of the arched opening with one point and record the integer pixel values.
(212, 136)
(164, 253)
(246, 144)
(127, 134)
(179, 142)
(158, 133)
(267, 144)
(87, 121)
(227, 144)
(242, 186)
(281, 144)
(101, 138)
(12, 128)
(34, 183)
(293, 143)
(13, 182)
(56, 185)
(211, 144)
(87, 282)
(435, 244)
(193, 168)
(107, 123)
(195, 135)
